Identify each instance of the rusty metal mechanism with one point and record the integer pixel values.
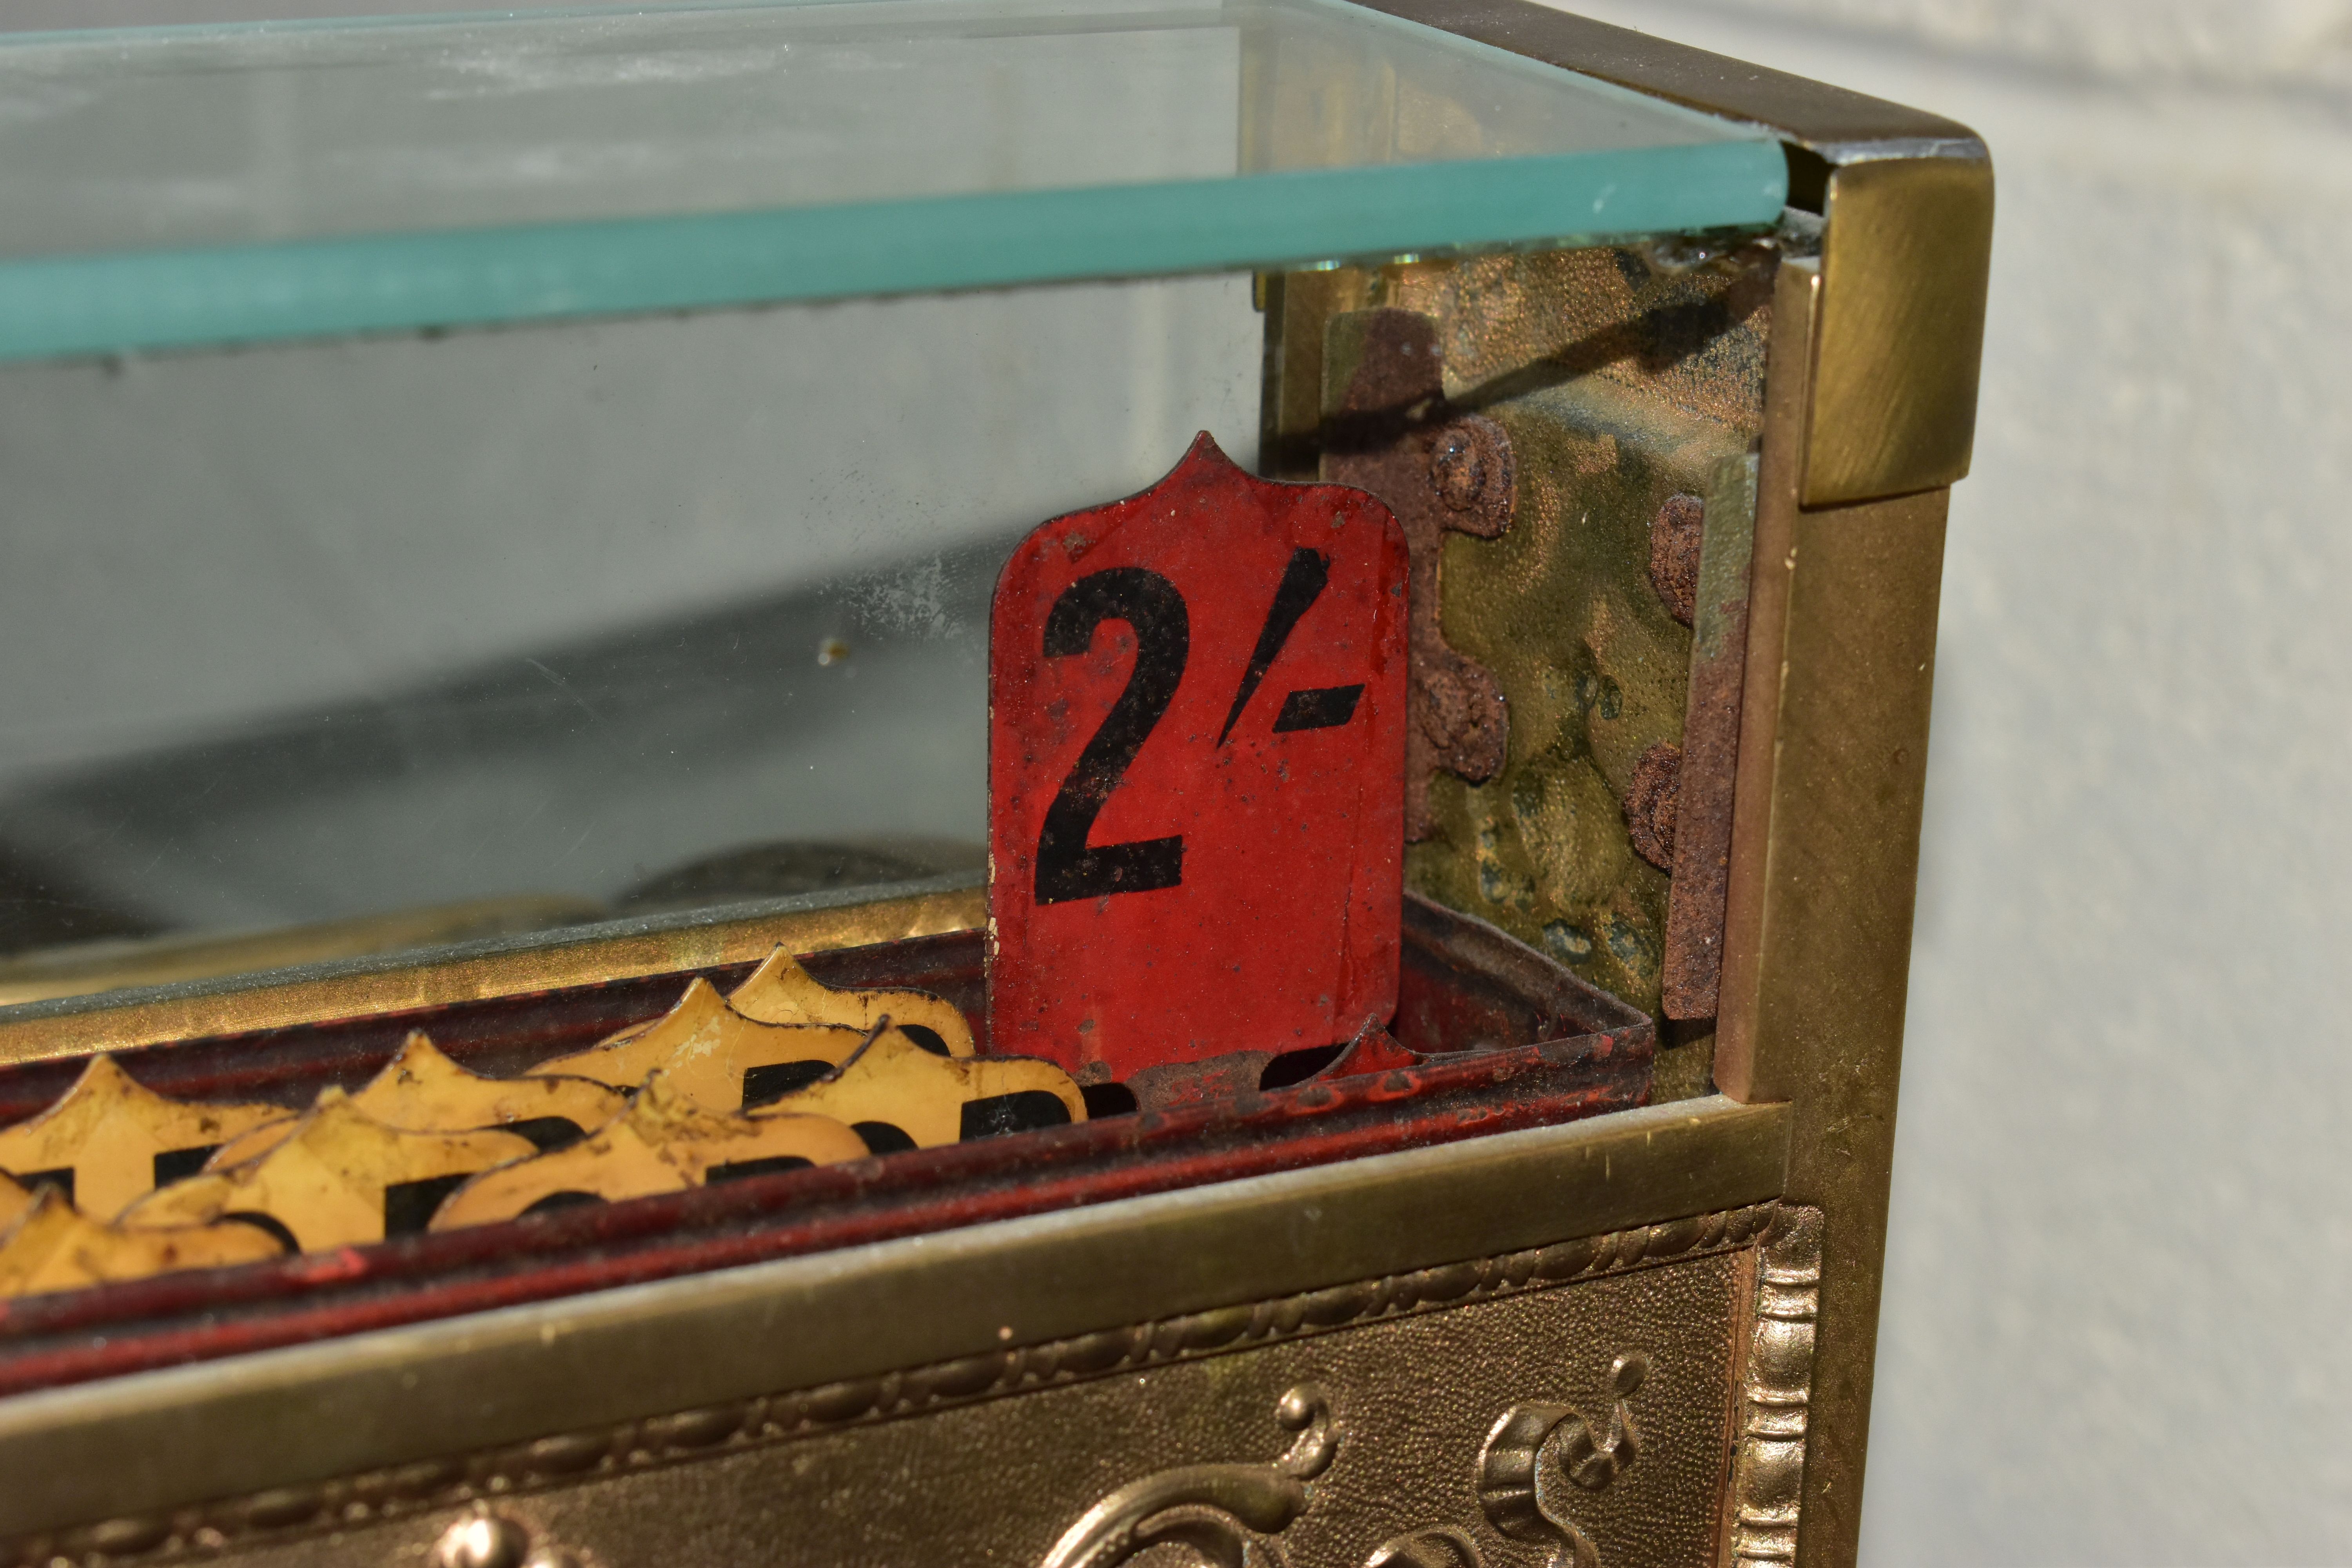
(714, 1237)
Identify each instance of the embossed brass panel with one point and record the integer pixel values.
(1598, 1396)
(1004, 1480)
(1598, 673)
(517, 1375)
(1629, 383)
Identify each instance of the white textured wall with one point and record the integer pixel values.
(2118, 1316)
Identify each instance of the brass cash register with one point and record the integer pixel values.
(959, 781)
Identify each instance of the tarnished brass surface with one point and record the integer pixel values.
(406, 1396)
(1789, 390)
(1629, 383)
(1631, 1397)
(1298, 306)
(649, 946)
(1156, 1336)
(1906, 255)
(1824, 866)
(1776, 1391)
(1680, 323)
(1710, 755)
(1597, 672)
(1842, 654)
(1835, 937)
(1872, 386)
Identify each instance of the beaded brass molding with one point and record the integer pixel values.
(1770, 1449)
(1776, 1390)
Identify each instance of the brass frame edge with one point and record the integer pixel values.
(149, 1442)
(1823, 877)
(1871, 403)
(505, 966)
(1898, 343)
(1788, 388)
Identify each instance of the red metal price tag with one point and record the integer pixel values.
(1196, 772)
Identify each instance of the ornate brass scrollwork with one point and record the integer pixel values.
(1227, 1514)
(1222, 1513)
(1433, 1546)
(1530, 1442)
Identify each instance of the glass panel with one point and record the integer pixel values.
(183, 185)
(547, 615)
(436, 633)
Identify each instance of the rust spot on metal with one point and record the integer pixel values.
(1676, 534)
(1439, 470)
(1470, 468)
(1624, 377)
(1651, 805)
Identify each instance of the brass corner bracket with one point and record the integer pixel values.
(1907, 251)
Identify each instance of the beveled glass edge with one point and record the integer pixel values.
(417, 977)
(551, 939)
(74, 307)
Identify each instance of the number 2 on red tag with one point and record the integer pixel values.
(1196, 774)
